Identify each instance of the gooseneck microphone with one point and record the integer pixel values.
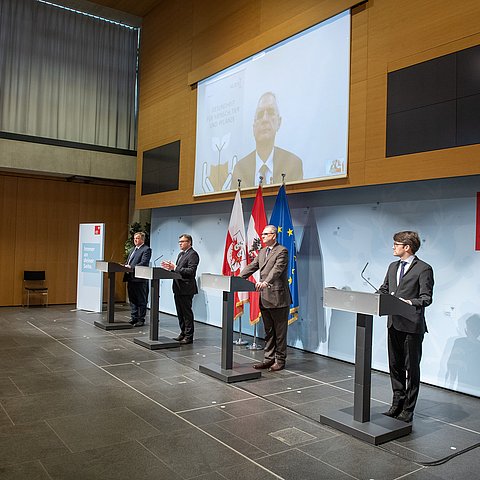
(155, 261)
(373, 286)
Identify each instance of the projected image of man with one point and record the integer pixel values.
(267, 160)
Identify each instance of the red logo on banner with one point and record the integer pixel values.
(97, 229)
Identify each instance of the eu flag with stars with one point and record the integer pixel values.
(282, 219)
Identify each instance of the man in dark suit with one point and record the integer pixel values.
(137, 287)
(411, 280)
(275, 298)
(186, 287)
(267, 160)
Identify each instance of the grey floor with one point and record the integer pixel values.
(78, 402)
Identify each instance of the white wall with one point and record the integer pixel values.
(337, 233)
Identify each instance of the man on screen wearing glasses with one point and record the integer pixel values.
(267, 160)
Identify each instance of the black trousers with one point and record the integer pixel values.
(404, 356)
(275, 321)
(183, 304)
(138, 297)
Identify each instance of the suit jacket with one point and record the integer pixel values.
(186, 266)
(140, 258)
(416, 286)
(283, 162)
(273, 270)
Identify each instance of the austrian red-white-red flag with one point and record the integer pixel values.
(258, 221)
(235, 256)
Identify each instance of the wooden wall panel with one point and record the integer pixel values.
(109, 206)
(438, 51)
(230, 27)
(423, 26)
(40, 219)
(8, 194)
(455, 162)
(41, 208)
(267, 38)
(276, 12)
(208, 13)
(163, 69)
(403, 34)
(386, 35)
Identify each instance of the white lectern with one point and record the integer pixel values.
(227, 371)
(155, 274)
(376, 428)
(111, 268)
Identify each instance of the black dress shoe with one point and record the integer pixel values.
(276, 367)
(263, 365)
(405, 416)
(139, 324)
(186, 341)
(179, 337)
(393, 411)
(132, 322)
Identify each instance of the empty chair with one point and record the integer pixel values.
(34, 285)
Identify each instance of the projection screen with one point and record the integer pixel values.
(283, 110)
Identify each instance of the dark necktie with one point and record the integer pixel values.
(267, 252)
(402, 270)
(263, 172)
(180, 255)
(132, 255)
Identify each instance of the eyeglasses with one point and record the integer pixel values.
(183, 241)
(267, 233)
(269, 112)
(397, 244)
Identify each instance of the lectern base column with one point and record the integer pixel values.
(112, 325)
(236, 374)
(378, 430)
(162, 342)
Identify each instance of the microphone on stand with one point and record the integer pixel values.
(373, 286)
(155, 261)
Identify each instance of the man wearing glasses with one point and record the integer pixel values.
(267, 160)
(411, 280)
(275, 298)
(186, 287)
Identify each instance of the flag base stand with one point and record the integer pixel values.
(255, 345)
(238, 373)
(107, 325)
(239, 341)
(162, 342)
(377, 430)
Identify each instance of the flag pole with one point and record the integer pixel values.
(281, 216)
(255, 345)
(239, 340)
